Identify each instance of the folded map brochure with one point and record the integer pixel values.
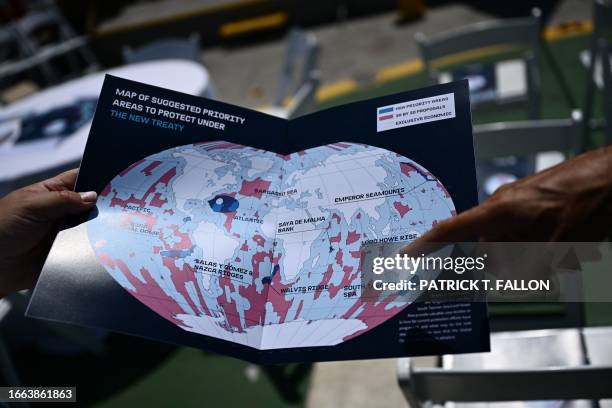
(238, 232)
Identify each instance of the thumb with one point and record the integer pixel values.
(55, 205)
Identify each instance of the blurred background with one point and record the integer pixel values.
(541, 90)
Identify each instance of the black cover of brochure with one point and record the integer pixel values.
(238, 232)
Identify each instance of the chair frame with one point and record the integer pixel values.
(525, 31)
(40, 56)
(302, 45)
(606, 53)
(583, 374)
(602, 19)
(503, 385)
(305, 98)
(523, 138)
(9, 68)
(527, 138)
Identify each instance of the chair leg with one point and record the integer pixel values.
(533, 87)
(605, 52)
(587, 109)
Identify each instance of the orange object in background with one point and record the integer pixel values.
(411, 9)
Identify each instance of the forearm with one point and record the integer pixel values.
(586, 182)
(606, 154)
(598, 180)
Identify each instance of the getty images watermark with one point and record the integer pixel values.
(437, 264)
(486, 271)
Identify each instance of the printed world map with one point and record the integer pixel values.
(258, 248)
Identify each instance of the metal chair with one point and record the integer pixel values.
(302, 103)
(534, 365)
(531, 138)
(302, 49)
(68, 44)
(602, 31)
(11, 51)
(523, 138)
(304, 100)
(176, 48)
(521, 32)
(511, 150)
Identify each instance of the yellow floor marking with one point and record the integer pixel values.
(399, 70)
(253, 24)
(175, 17)
(569, 29)
(334, 89)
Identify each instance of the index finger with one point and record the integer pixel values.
(464, 227)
